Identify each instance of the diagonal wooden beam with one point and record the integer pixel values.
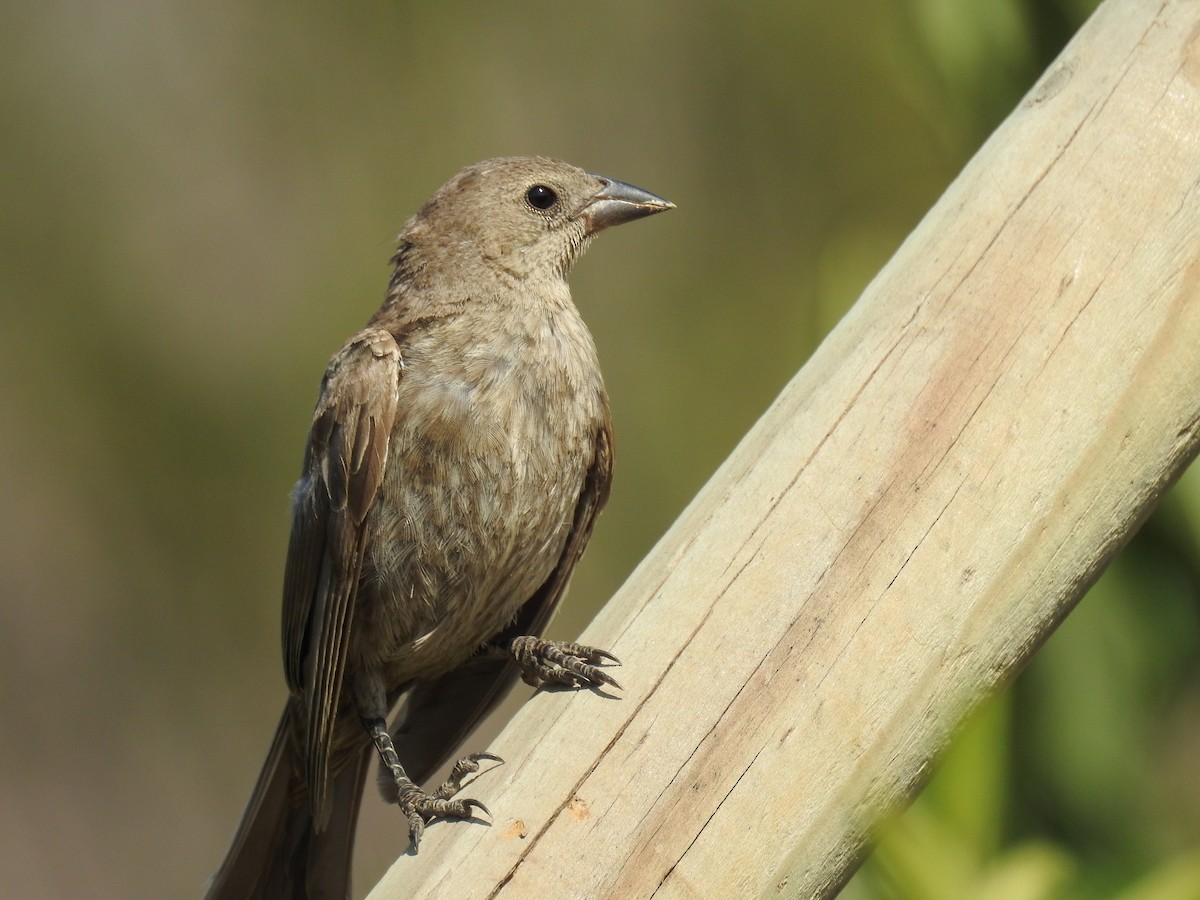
(923, 504)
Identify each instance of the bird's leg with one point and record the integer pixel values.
(561, 662)
(417, 805)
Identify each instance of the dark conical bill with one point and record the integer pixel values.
(618, 202)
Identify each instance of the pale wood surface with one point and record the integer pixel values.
(922, 505)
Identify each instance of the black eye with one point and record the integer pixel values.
(541, 197)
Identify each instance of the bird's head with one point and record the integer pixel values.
(522, 216)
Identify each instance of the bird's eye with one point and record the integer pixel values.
(541, 197)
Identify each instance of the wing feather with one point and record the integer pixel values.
(344, 465)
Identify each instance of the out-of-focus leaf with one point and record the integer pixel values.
(1177, 879)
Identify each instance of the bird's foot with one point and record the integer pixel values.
(420, 807)
(562, 663)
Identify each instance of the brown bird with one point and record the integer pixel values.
(460, 450)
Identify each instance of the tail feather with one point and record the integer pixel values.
(276, 853)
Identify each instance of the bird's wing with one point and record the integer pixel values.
(343, 468)
(439, 714)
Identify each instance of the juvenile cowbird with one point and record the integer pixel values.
(460, 450)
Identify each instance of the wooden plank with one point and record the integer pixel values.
(922, 505)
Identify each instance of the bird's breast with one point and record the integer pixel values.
(491, 447)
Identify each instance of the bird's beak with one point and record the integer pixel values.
(618, 202)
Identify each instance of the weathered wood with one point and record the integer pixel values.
(921, 506)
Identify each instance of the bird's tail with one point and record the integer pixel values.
(276, 852)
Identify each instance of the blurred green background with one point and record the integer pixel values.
(199, 201)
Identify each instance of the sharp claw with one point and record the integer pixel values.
(491, 757)
(605, 678)
(416, 827)
(467, 804)
(599, 655)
